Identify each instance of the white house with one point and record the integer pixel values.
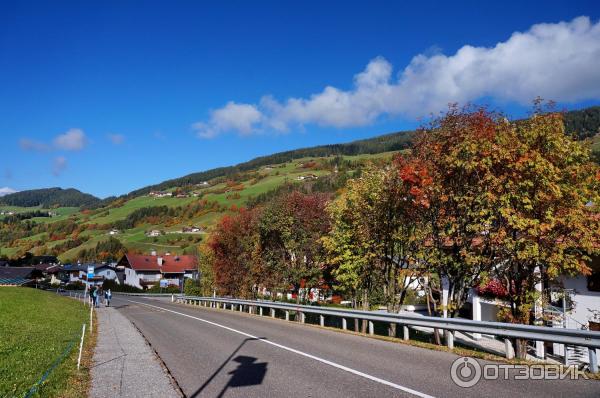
(144, 271)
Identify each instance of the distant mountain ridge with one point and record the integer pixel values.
(49, 197)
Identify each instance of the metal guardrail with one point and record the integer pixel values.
(584, 338)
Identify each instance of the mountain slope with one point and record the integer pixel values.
(582, 124)
(384, 143)
(49, 197)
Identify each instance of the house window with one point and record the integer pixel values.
(593, 282)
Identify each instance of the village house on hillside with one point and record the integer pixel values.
(191, 229)
(153, 233)
(144, 271)
(160, 194)
(307, 177)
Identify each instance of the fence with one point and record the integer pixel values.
(583, 338)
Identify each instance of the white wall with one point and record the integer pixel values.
(583, 301)
(132, 278)
(107, 273)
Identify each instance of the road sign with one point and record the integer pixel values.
(90, 271)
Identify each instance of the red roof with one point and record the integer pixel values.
(171, 264)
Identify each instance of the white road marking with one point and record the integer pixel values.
(304, 354)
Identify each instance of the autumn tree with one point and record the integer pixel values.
(233, 246)
(375, 234)
(457, 152)
(545, 219)
(351, 247)
(291, 251)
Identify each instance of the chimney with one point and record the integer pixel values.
(159, 260)
(153, 252)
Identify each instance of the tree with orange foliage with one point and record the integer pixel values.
(453, 162)
(233, 245)
(546, 210)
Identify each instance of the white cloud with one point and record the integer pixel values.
(32, 145)
(232, 117)
(557, 61)
(6, 191)
(59, 165)
(116, 139)
(72, 140)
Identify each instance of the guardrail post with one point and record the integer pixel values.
(302, 317)
(593, 360)
(371, 328)
(344, 324)
(272, 312)
(405, 333)
(250, 309)
(260, 311)
(232, 307)
(510, 351)
(449, 339)
(287, 315)
(321, 320)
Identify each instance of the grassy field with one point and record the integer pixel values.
(36, 328)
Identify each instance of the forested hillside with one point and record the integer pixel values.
(584, 123)
(49, 197)
(384, 143)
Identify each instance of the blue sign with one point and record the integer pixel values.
(164, 283)
(90, 271)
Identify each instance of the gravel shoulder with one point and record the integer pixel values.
(124, 365)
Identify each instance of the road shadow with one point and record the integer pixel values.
(247, 373)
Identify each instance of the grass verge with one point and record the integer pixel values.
(37, 329)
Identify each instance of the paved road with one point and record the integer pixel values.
(213, 353)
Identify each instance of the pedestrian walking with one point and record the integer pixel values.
(95, 296)
(107, 297)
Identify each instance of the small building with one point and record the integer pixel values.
(144, 271)
(72, 273)
(307, 177)
(153, 233)
(191, 230)
(114, 231)
(160, 194)
(19, 276)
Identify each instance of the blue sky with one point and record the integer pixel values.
(111, 96)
